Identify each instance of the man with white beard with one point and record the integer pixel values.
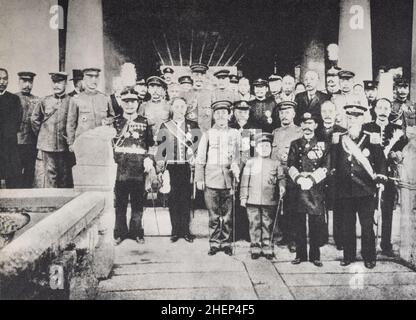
(359, 168)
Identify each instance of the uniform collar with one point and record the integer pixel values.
(2, 93)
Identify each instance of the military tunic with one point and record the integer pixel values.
(49, 121)
(403, 113)
(87, 111)
(131, 144)
(263, 114)
(26, 140)
(311, 159)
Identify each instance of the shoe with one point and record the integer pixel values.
(117, 241)
(228, 251)
(269, 256)
(388, 253)
(188, 238)
(255, 255)
(212, 251)
(317, 263)
(140, 240)
(173, 239)
(369, 264)
(345, 263)
(297, 261)
(292, 247)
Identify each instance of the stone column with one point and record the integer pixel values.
(413, 62)
(354, 42)
(29, 41)
(85, 38)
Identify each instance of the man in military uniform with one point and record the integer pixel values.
(77, 77)
(157, 109)
(282, 138)
(310, 100)
(217, 166)
(244, 90)
(241, 121)
(359, 166)
(234, 83)
(168, 75)
(275, 86)
(49, 121)
(371, 90)
(89, 109)
(393, 141)
(131, 145)
(332, 81)
(402, 109)
(199, 98)
(175, 152)
(325, 132)
(309, 165)
(10, 120)
(174, 91)
(347, 97)
(263, 112)
(223, 91)
(186, 83)
(26, 139)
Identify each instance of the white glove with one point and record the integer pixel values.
(147, 164)
(235, 170)
(282, 191)
(200, 185)
(307, 184)
(243, 203)
(71, 148)
(380, 186)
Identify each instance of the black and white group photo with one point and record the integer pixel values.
(207, 150)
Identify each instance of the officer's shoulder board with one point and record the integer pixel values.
(336, 137)
(374, 137)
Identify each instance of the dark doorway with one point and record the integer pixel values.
(257, 35)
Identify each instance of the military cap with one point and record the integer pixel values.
(141, 81)
(275, 77)
(199, 67)
(77, 75)
(233, 78)
(283, 105)
(156, 81)
(401, 82)
(58, 76)
(221, 104)
(345, 74)
(333, 72)
(263, 137)
(222, 73)
(185, 79)
(241, 105)
(370, 85)
(129, 94)
(90, 69)
(308, 116)
(168, 70)
(260, 83)
(26, 75)
(355, 110)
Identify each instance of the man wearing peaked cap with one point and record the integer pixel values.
(26, 139)
(233, 83)
(168, 75)
(216, 170)
(241, 121)
(371, 89)
(359, 164)
(262, 112)
(186, 83)
(346, 74)
(332, 81)
(282, 138)
(77, 76)
(309, 165)
(49, 123)
(403, 110)
(96, 107)
(223, 90)
(199, 98)
(275, 85)
(261, 183)
(156, 110)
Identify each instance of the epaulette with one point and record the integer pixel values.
(336, 136)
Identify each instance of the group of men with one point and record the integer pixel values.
(269, 157)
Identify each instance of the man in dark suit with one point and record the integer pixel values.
(310, 100)
(175, 153)
(10, 120)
